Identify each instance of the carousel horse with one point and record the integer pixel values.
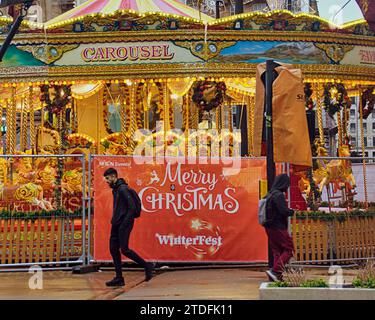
(338, 172)
(304, 183)
(72, 181)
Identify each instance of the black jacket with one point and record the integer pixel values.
(277, 208)
(123, 205)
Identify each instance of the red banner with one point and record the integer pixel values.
(190, 212)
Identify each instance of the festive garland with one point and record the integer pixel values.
(368, 101)
(78, 140)
(339, 216)
(62, 213)
(208, 95)
(340, 98)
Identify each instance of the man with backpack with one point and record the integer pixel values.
(276, 225)
(126, 207)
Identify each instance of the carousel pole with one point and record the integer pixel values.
(250, 123)
(32, 120)
(8, 125)
(123, 107)
(363, 147)
(340, 128)
(319, 113)
(23, 124)
(12, 131)
(133, 122)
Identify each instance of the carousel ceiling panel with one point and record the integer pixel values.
(171, 7)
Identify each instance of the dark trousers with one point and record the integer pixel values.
(282, 247)
(119, 243)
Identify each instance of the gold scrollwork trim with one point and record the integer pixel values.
(207, 69)
(152, 71)
(193, 35)
(50, 53)
(334, 51)
(208, 50)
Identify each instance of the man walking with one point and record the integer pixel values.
(122, 225)
(277, 213)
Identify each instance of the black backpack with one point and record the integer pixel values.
(137, 202)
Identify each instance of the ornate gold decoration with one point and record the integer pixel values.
(48, 53)
(205, 50)
(334, 51)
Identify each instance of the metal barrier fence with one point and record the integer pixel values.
(42, 210)
(32, 234)
(332, 233)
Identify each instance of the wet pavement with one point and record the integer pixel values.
(63, 285)
(231, 284)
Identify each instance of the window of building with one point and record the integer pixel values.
(365, 127)
(353, 100)
(373, 114)
(353, 141)
(352, 113)
(373, 141)
(258, 7)
(352, 127)
(365, 140)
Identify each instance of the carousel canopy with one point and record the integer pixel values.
(172, 7)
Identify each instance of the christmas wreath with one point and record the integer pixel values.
(335, 98)
(209, 95)
(368, 100)
(61, 97)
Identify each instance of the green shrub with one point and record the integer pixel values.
(368, 283)
(278, 284)
(319, 283)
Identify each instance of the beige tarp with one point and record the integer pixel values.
(290, 130)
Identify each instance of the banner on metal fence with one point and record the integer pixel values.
(190, 212)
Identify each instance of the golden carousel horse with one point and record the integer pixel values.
(338, 172)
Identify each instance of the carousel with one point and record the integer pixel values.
(87, 81)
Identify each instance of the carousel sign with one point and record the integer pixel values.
(131, 53)
(117, 53)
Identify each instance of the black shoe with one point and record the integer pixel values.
(149, 271)
(116, 282)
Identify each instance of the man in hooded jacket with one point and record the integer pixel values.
(122, 225)
(277, 213)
